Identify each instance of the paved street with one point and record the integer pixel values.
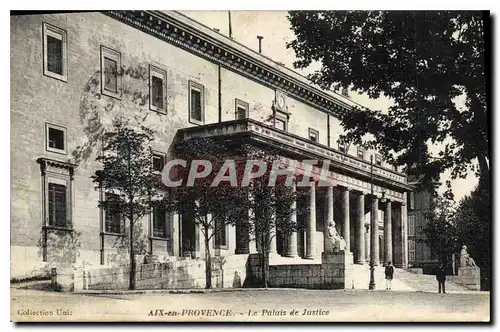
(247, 305)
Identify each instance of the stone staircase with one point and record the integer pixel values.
(403, 280)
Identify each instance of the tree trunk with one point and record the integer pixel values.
(208, 264)
(264, 262)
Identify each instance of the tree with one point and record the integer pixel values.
(212, 207)
(271, 207)
(440, 228)
(127, 173)
(423, 62)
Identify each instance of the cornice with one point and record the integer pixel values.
(44, 162)
(198, 39)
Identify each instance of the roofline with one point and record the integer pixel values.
(194, 37)
(256, 55)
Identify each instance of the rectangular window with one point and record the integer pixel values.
(158, 162)
(113, 221)
(57, 205)
(110, 72)
(411, 225)
(54, 52)
(110, 75)
(196, 103)
(411, 250)
(220, 235)
(159, 223)
(55, 138)
(157, 89)
(281, 121)
(361, 153)
(313, 135)
(241, 111)
(378, 159)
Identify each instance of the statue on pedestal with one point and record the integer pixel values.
(465, 259)
(334, 242)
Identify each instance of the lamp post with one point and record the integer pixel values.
(371, 286)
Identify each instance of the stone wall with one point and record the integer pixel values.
(334, 272)
(189, 273)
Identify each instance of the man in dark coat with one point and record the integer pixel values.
(441, 278)
(389, 274)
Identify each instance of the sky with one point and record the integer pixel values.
(275, 28)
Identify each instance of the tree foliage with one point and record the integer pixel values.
(127, 173)
(423, 61)
(440, 229)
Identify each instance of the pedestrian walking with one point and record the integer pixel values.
(441, 278)
(389, 275)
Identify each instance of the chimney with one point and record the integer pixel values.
(260, 43)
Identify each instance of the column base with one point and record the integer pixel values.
(360, 262)
(292, 255)
(241, 251)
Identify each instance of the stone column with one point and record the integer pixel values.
(271, 240)
(329, 215)
(360, 230)
(374, 245)
(311, 224)
(388, 232)
(291, 248)
(346, 227)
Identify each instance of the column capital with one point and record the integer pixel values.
(344, 188)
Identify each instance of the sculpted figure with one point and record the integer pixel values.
(465, 259)
(335, 242)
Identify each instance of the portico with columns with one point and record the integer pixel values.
(345, 198)
(349, 208)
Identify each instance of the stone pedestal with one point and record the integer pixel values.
(64, 277)
(337, 269)
(469, 277)
(344, 257)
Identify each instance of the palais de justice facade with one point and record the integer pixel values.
(66, 87)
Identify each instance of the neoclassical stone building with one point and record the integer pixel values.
(186, 80)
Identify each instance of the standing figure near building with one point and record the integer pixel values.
(441, 278)
(389, 275)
